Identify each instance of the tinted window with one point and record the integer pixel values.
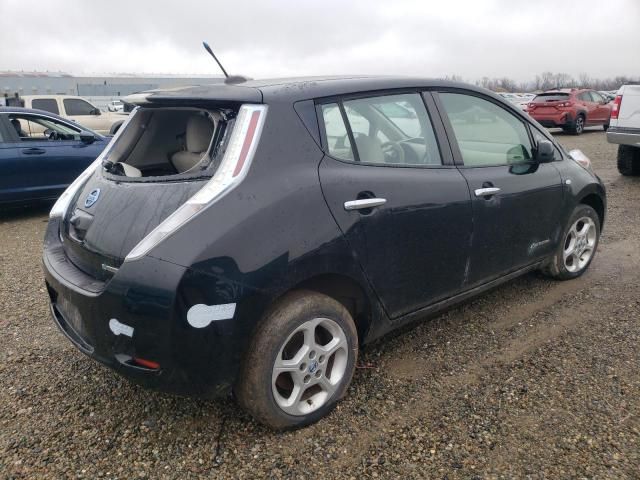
(551, 97)
(486, 133)
(393, 129)
(585, 97)
(46, 104)
(336, 132)
(75, 106)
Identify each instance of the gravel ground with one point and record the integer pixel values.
(537, 379)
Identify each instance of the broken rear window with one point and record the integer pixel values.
(164, 142)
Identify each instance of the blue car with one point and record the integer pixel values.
(41, 154)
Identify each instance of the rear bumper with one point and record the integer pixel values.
(556, 120)
(141, 312)
(624, 136)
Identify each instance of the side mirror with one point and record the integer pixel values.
(544, 151)
(95, 111)
(87, 138)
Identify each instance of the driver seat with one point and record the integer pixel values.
(16, 124)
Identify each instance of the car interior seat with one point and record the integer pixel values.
(197, 139)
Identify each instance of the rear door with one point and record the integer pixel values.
(516, 214)
(601, 108)
(402, 205)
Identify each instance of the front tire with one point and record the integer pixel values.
(628, 160)
(578, 247)
(300, 361)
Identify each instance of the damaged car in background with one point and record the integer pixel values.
(250, 237)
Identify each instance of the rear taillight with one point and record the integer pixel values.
(615, 108)
(564, 104)
(232, 170)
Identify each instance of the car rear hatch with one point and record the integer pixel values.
(549, 103)
(166, 153)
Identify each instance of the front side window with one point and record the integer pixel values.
(597, 98)
(387, 130)
(35, 128)
(75, 106)
(46, 104)
(487, 134)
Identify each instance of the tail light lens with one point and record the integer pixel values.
(615, 108)
(232, 170)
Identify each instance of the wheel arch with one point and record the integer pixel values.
(595, 201)
(348, 292)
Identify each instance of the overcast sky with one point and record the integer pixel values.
(273, 38)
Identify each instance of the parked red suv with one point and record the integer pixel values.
(570, 109)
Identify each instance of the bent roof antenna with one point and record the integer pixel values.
(228, 78)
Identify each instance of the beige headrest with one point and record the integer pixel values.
(199, 133)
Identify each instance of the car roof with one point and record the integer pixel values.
(290, 89)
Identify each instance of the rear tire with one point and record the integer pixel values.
(578, 125)
(300, 361)
(628, 160)
(115, 127)
(579, 244)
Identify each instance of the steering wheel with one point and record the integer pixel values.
(51, 134)
(393, 152)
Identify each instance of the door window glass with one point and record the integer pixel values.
(596, 97)
(585, 97)
(75, 106)
(393, 129)
(336, 132)
(46, 104)
(486, 133)
(34, 128)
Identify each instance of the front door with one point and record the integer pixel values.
(405, 213)
(516, 201)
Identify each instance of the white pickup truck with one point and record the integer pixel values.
(624, 129)
(77, 109)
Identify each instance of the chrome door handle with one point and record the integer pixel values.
(364, 203)
(486, 192)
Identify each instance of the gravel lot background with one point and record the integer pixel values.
(537, 379)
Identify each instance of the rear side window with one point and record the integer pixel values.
(46, 104)
(585, 97)
(75, 106)
(487, 134)
(387, 130)
(596, 97)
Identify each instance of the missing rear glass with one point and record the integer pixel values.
(163, 143)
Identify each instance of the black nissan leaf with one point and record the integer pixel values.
(249, 237)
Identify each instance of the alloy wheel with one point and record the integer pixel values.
(579, 244)
(310, 366)
(579, 124)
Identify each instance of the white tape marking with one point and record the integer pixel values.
(200, 315)
(119, 328)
